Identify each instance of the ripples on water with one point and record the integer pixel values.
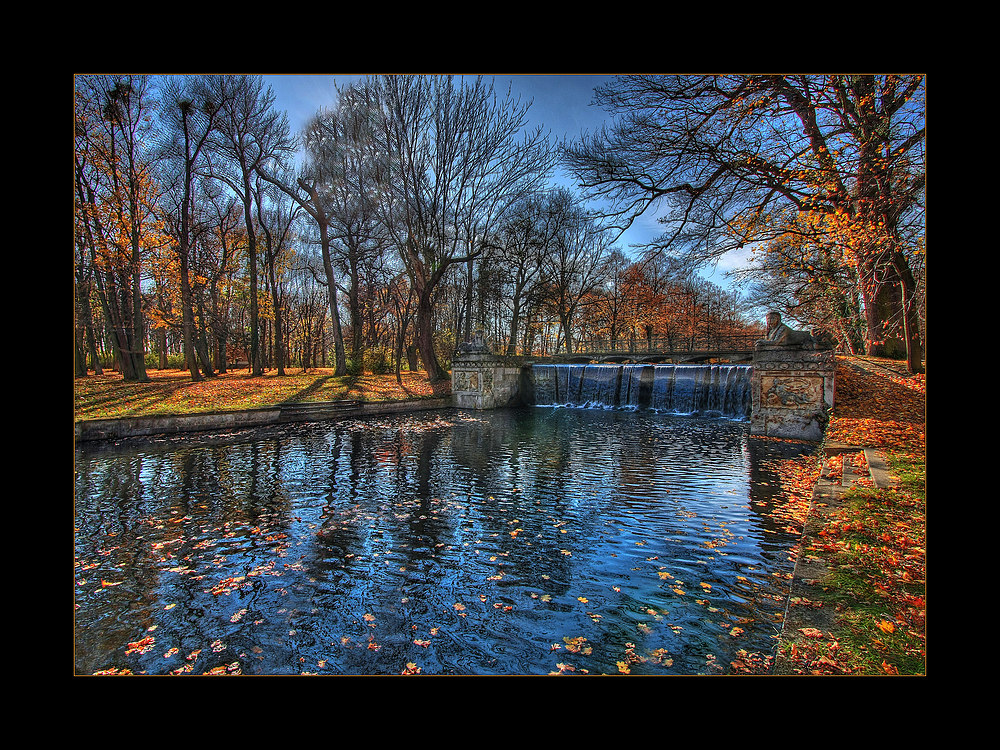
(515, 542)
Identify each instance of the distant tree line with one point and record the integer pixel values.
(413, 212)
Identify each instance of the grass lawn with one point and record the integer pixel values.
(172, 391)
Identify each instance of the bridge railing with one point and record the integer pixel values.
(663, 344)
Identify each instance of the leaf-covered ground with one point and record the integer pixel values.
(879, 405)
(874, 542)
(172, 391)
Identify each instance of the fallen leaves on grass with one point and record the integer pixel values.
(109, 396)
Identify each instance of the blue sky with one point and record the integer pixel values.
(560, 103)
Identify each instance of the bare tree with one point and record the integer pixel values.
(276, 219)
(341, 168)
(250, 134)
(448, 164)
(526, 238)
(190, 114)
(308, 194)
(575, 265)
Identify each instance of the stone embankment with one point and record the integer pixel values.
(140, 427)
(805, 608)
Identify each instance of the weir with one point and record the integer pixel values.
(787, 392)
(708, 390)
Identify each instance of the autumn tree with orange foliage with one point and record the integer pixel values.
(642, 300)
(751, 160)
(117, 224)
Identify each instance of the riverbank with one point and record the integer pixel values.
(170, 404)
(172, 392)
(858, 595)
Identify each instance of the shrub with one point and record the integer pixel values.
(378, 361)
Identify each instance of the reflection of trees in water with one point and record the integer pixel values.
(158, 520)
(424, 494)
(384, 484)
(766, 491)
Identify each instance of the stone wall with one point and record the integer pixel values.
(484, 381)
(792, 387)
(134, 427)
(793, 391)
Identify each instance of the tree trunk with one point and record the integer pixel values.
(340, 368)
(911, 319)
(514, 323)
(425, 337)
(255, 358)
(187, 315)
(161, 344)
(357, 324)
(887, 300)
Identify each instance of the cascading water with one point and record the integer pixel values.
(705, 390)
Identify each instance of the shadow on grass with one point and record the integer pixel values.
(140, 397)
(313, 388)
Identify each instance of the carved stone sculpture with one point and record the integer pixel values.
(779, 334)
(476, 346)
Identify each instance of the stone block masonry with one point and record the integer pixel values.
(792, 386)
(484, 381)
(792, 391)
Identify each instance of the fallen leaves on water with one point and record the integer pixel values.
(140, 646)
(578, 645)
(751, 663)
(225, 669)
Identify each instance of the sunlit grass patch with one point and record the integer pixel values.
(173, 392)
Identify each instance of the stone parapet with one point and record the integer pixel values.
(137, 427)
(793, 391)
(481, 380)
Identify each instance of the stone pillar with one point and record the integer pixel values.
(483, 380)
(793, 390)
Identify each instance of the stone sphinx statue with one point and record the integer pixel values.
(477, 345)
(779, 334)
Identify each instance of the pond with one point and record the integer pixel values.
(527, 541)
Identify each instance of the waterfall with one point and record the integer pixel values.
(706, 390)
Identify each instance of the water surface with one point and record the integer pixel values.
(529, 541)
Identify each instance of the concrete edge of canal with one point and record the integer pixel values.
(806, 608)
(91, 430)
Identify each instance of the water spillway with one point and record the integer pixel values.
(704, 390)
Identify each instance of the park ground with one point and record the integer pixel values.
(869, 605)
(864, 614)
(173, 392)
